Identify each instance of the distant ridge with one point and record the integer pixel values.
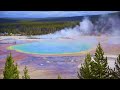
(52, 19)
(7, 20)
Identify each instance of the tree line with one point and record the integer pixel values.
(35, 28)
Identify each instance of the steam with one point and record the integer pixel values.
(108, 25)
(86, 26)
(104, 25)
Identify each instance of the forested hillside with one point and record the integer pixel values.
(34, 28)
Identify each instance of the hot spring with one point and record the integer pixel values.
(56, 46)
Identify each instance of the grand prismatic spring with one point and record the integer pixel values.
(55, 46)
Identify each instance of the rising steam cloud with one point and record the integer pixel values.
(105, 25)
(86, 26)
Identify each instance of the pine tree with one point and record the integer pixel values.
(26, 76)
(85, 72)
(16, 72)
(59, 77)
(10, 70)
(117, 65)
(116, 71)
(97, 68)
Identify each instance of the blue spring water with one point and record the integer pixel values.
(55, 46)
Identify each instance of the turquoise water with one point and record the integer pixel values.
(54, 47)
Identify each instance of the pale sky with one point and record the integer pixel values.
(44, 14)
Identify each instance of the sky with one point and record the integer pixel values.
(45, 14)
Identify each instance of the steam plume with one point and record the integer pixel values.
(104, 25)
